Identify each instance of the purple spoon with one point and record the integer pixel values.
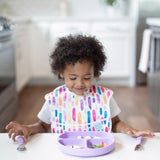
(21, 146)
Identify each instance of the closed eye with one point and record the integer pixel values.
(88, 78)
(72, 79)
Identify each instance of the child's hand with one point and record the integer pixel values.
(135, 133)
(16, 129)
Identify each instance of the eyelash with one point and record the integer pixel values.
(72, 79)
(87, 78)
(75, 79)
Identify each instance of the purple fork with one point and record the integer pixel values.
(139, 143)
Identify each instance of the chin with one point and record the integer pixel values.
(79, 92)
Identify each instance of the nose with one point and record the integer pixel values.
(80, 82)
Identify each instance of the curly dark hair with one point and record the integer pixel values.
(77, 48)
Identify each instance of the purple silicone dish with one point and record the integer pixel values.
(81, 143)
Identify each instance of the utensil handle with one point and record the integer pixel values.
(139, 139)
(20, 140)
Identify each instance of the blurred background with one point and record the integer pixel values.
(128, 29)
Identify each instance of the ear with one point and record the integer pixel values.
(61, 75)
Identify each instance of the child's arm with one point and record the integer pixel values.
(16, 129)
(119, 126)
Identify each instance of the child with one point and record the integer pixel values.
(78, 105)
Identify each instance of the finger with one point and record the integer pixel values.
(25, 138)
(14, 136)
(26, 134)
(131, 133)
(148, 133)
(12, 124)
(152, 134)
(145, 133)
(138, 133)
(11, 131)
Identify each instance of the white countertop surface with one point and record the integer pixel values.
(44, 147)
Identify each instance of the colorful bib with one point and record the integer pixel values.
(88, 112)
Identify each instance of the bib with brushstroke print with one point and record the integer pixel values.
(88, 112)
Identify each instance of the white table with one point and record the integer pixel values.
(44, 147)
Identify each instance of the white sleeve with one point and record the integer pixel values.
(114, 108)
(44, 114)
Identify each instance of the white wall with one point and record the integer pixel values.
(93, 10)
(82, 8)
(29, 7)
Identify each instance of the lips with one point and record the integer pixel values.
(80, 90)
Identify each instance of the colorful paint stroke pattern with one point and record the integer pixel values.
(88, 112)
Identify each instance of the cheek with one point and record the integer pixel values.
(88, 83)
(69, 83)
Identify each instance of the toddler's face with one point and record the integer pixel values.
(78, 78)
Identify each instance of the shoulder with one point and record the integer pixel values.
(56, 92)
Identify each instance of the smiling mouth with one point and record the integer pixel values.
(79, 89)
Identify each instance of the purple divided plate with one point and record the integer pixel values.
(85, 140)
